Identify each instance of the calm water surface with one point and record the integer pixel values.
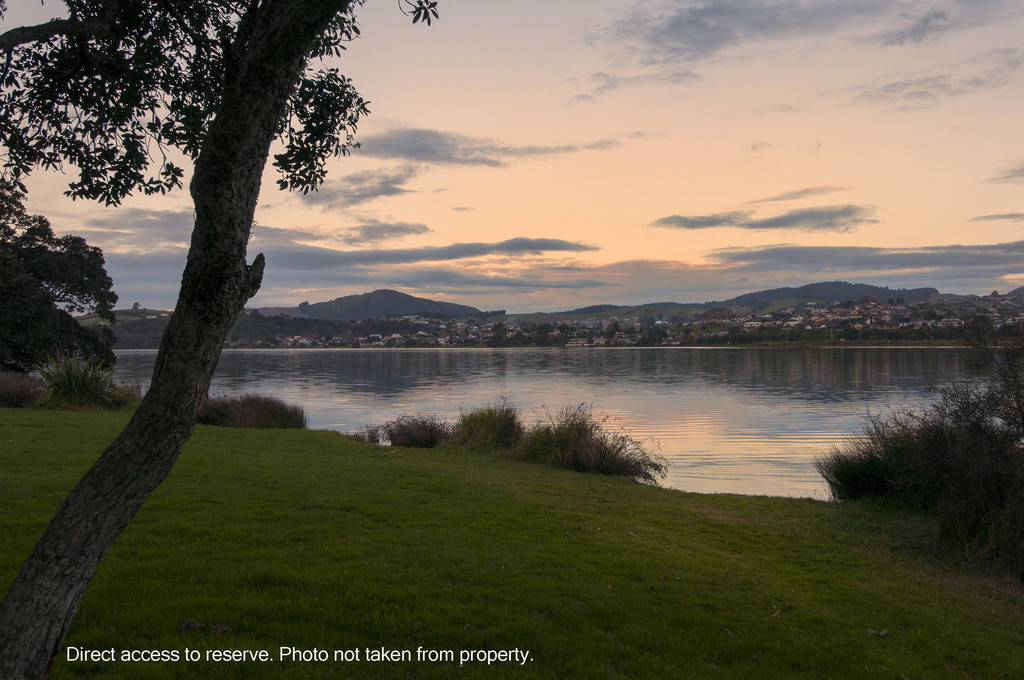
(747, 421)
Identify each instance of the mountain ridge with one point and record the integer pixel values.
(378, 304)
(383, 303)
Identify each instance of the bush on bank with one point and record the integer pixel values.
(256, 411)
(961, 458)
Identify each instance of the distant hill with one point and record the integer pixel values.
(827, 291)
(769, 300)
(379, 304)
(124, 316)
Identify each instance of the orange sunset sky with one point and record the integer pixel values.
(538, 156)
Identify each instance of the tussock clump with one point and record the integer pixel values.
(254, 411)
(20, 391)
(422, 432)
(72, 382)
(575, 439)
(497, 426)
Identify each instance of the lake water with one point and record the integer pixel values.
(748, 421)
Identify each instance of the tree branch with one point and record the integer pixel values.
(23, 35)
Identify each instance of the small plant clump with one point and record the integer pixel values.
(497, 426)
(20, 391)
(72, 382)
(960, 459)
(254, 411)
(421, 432)
(575, 439)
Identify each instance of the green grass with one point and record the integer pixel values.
(308, 539)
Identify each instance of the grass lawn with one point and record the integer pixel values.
(305, 539)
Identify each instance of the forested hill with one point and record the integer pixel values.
(829, 291)
(376, 305)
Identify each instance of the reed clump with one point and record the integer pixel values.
(495, 426)
(255, 411)
(422, 432)
(576, 439)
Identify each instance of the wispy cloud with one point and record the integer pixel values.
(696, 30)
(932, 23)
(1016, 217)
(1013, 175)
(797, 194)
(436, 147)
(375, 231)
(362, 187)
(313, 257)
(952, 260)
(912, 91)
(602, 82)
(838, 218)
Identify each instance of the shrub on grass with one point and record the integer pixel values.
(960, 459)
(19, 391)
(575, 439)
(423, 432)
(255, 411)
(497, 426)
(72, 382)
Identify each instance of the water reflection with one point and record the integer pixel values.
(729, 420)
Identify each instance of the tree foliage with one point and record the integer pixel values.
(121, 85)
(43, 279)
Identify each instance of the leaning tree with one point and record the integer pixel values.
(119, 90)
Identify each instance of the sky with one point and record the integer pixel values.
(543, 156)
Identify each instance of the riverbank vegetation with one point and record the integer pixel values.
(253, 411)
(68, 381)
(573, 438)
(961, 459)
(262, 539)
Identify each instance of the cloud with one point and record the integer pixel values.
(451, 281)
(910, 91)
(797, 194)
(696, 31)
(692, 31)
(313, 257)
(1018, 217)
(362, 187)
(134, 229)
(729, 219)
(839, 218)
(602, 82)
(932, 23)
(449, 148)
(951, 260)
(1014, 175)
(375, 231)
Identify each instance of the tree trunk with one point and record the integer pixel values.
(216, 283)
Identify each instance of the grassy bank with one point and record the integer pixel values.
(263, 539)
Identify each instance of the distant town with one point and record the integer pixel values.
(864, 321)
